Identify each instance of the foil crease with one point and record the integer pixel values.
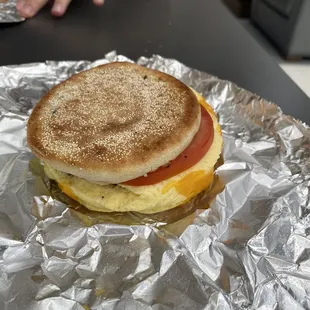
(249, 250)
(8, 12)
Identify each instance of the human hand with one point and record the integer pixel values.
(29, 8)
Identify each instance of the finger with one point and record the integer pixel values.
(60, 7)
(29, 8)
(98, 2)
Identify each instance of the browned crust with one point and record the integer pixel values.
(112, 117)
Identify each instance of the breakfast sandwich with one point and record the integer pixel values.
(122, 137)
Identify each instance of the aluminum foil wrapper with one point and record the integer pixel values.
(249, 250)
(8, 12)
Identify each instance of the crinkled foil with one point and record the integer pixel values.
(249, 250)
(8, 12)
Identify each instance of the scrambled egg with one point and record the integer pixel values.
(147, 199)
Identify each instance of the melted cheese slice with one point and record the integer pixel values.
(147, 199)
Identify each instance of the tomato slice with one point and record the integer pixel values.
(187, 159)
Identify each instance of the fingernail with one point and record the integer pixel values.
(28, 9)
(58, 8)
(99, 2)
(19, 5)
(25, 8)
